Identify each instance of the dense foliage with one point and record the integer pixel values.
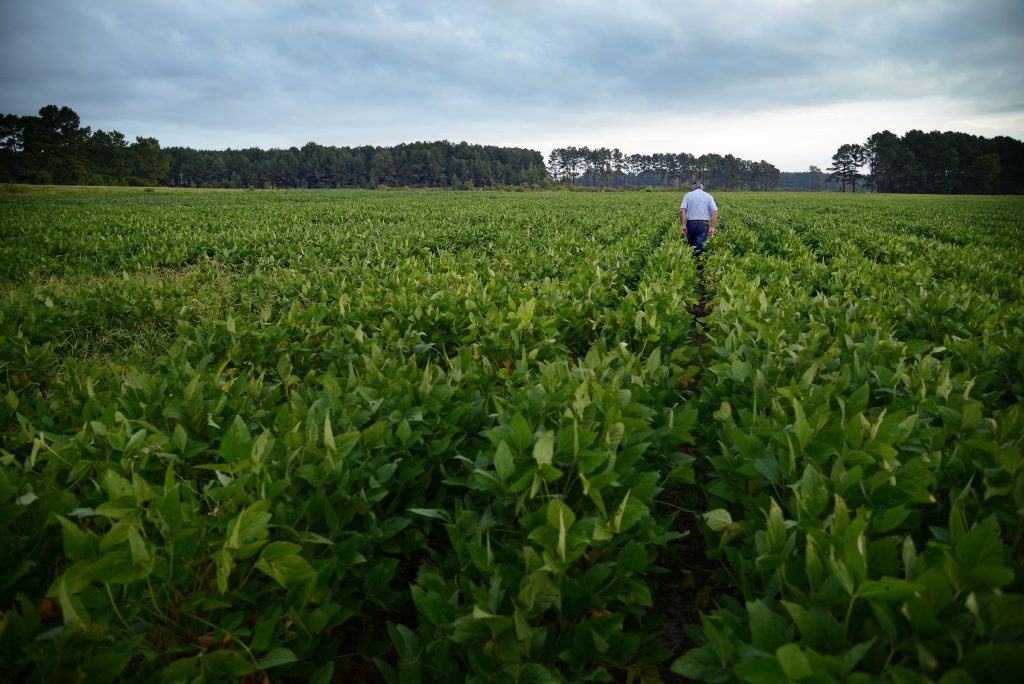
(54, 148)
(935, 162)
(864, 466)
(422, 164)
(603, 167)
(435, 436)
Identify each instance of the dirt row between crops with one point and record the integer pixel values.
(692, 581)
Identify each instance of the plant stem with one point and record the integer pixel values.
(113, 604)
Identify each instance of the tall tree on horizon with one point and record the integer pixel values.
(846, 165)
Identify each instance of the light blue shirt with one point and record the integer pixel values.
(698, 205)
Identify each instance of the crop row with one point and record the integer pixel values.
(864, 465)
(435, 451)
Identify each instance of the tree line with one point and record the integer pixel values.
(603, 167)
(420, 164)
(935, 162)
(54, 147)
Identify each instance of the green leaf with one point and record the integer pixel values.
(682, 425)
(386, 472)
(520, 433)
(119, 509)
(776, 530)
(250, 525)
(140, 553)
(279, 549)
(767, 629)
(557, 514)
(283, 565)
(119, 567)
(223, 559)
(504, 462)
(538, 592)
(887, 589)
(814, 493)
(324, 675)
(117, 487)
(227, 663)
(794, 662)
(981, 554)
(329, 434)
(236, 443)
(435, 513)
(544, 449)
(633, 558)
(761, 671)
(179, 438)
(718, 520)
(70, 605)
(78, 543)
(405, 640)
(345, 443)
(801, 428)
(432, 606)
(277, 657)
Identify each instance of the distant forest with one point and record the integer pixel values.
(935, 162)
(582, 166)
(420, 164)
(54, 148)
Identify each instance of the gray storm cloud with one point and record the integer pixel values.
(267, 73)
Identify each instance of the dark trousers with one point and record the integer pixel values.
(697, 234)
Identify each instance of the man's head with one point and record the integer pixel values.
(697, 183)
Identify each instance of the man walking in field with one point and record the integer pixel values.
(698, 215)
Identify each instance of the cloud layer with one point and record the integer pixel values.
(760, 78)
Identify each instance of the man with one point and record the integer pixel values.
(698, 215)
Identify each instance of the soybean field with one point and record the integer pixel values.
(427, 436)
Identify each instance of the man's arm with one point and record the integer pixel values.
(682, 219)
(714, 220)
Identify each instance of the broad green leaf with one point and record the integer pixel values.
(277, 657)
(78, 543)
(814, 493)
(544, 449)
(70, 606)
(227, 663)
(329, 434)
(538, 592)
(116, 486)
(504, 462)
(345, 443)
(236, 442)
(140, 553)
(435, 513)
(223, 560)
(279, 562)
(718, 520)
(794, 662)
(633, 558)
(760, 671)
(767, 629)
(251, 524)
(887, 588)
(180, 438)
(776, 528)
(520, 433)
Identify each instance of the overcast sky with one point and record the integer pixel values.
(787, 81)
